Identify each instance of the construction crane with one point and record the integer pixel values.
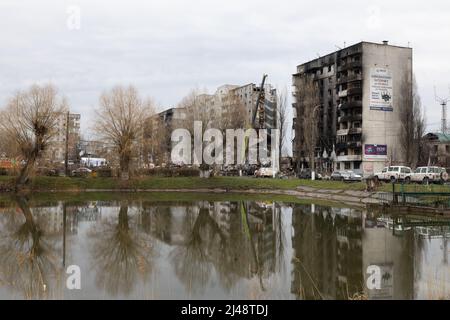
(260, 107)
(258, 112)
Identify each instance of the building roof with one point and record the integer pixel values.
(442, 137)
(321, 57)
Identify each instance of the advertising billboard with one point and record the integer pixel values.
(375, 151)
(381, 89)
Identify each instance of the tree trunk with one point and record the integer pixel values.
(125, 167)
(24, 174)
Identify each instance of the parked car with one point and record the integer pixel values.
(394, 173)
(336, 176)
(306, 174)
(351, 176)
(265, 172)
(81, 172)
(347, 175)
(429, 174)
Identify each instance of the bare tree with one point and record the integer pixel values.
(282, 113)
(234, 114)
(120, 122)
(28, 124)
(199, 107)
(420, 121)
(412, 121)
(307, 107)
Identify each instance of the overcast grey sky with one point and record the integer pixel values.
(165, 48)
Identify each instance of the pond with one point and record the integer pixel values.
(176, 247)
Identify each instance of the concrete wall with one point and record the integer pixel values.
(384, 127)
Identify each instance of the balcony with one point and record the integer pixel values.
(348, 145)
(350, 65)
(351, 105)
(313, 66)
(354, 77)
(354, 91)
(356, 157)
(350, 117)
(342, 132)
(355, 131)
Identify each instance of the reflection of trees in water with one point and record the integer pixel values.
(226, 243)
(120, 253)
(28, 259)
(192, 261)
(325, 250)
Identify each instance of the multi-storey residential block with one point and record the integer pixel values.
(363, 89)
(57, 147)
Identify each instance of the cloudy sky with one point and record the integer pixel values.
(165, 48)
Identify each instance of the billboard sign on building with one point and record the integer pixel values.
(375, 151)
(381, 89)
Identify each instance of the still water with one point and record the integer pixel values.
(140, 249)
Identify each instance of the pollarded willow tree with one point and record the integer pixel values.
(121, 117)
(28, 123)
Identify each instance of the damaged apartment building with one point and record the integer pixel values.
(217, 106)
(362, 89)
(247, 95)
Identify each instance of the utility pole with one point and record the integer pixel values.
(66, 154)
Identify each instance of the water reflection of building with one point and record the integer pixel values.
(391, 248)
(237, 237)
(333, 249)
(327, 252)
(51, 217)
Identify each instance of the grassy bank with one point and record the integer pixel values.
(42, 184)
(149, 183)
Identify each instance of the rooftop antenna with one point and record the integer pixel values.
(443, 103)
